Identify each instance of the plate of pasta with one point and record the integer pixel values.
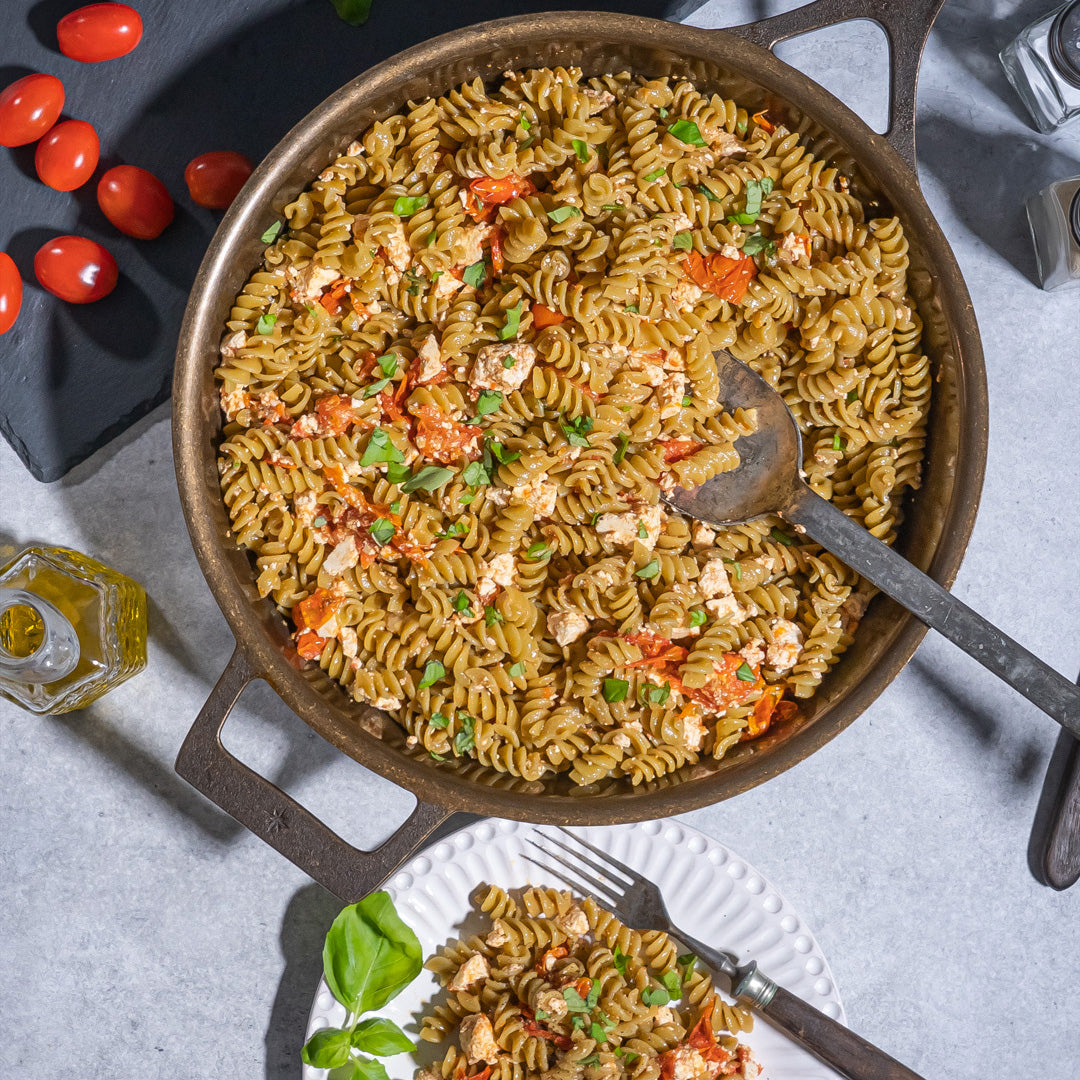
(477, 350)
(526, 981)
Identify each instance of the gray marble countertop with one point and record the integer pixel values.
(143, 933)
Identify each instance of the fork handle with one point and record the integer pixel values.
(825, 1038)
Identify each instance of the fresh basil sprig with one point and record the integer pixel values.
(370, 956)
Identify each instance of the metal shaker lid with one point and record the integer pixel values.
(1064, 44)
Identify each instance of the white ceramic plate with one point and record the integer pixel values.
(710, 891)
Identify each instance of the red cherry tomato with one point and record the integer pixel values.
(76, 269)
(68, 155)
(28, 108)
(214, 179)
(135, 201)
(99, 32)
(10, 292)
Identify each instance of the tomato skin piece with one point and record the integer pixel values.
(99, 32)
(29, 107)
(213, 179)
(10, 292)
(135, 201)
(68, 155)
(75, 269)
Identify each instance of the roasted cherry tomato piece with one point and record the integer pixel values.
(28, 108)
(99, 32)
(10, 292)
(75, 269)
(68, 155)
(214, 178)
(135, 201)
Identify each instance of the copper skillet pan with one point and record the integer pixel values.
(736, 63)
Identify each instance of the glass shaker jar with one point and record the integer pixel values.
(71, 629)
(1054, 217)
(1043, 65)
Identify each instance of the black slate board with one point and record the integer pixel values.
(208, 75)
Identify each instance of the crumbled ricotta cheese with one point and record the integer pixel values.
(539, 495)
(685, 295)
(499, 934)
(233, 343)
(478, 1039)
(620, 739)
(344, 557)
(753, 652)
(552, 1002)
(474, 970)
(471, 240)
(730, 251)
(489, 372)
(307, 283)
(233, 402)
(446, 285)
(687, 1064)
(431, 362)
(786, 645)
(387, 703)
(669, 394)
(694, 729)
(793, 248)
(574, 922)
(702, 536)
(566, 626)
(714, 580)
(350, 646)
(624, 530)
(599, 100)
(396, 246)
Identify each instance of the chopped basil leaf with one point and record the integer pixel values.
(407, 205)
(655, 996)
(476, 475)
(380, 449)
(433, 672)
(581, 148)
(619, 959)
(517, 670)
(657, 695)
(683, 241)
(319, 522)
(431, 238)
(561, 213)
(654, 175)
(475, 273)
(708, 193)
(595, 518)
(459, 528)
(395, 507)
(461, 603)
(528, 142)
(598, 1035)
(388, 363)
(743, 219)
(465, 739)
(437, 720)
(488, 402)
(745, 673)
(649, 570)
(755, 243)
(697, 617)
(672, 984)
(624, 441)
(576, 429)
(741, 126)
(837, 442)
(397, 473)
(265, 323)
(753, 198)
(491, 616)
(502, 455)
(853, 395)
(629, 1055)
(613, 207)
(468, 497)
(632, 309)
(427, 479)
(382, 530)
(642, 532)
(738, 568)
(615, 690)
(354, 12)
(271, 234)
(781, 537)
(591, 1059)
(687, 960)
(513, 321)
(537, 551)
(436, 757)
(376, 387)
(523, 120)
(688, 132)
(508, 361)
(687, 401)
(541, 1015)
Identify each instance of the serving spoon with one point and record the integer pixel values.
(769, 480)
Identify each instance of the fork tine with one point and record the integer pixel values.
(595, 883)
(611, 861)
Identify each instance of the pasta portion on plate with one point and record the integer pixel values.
(558, 989)
(479, 351)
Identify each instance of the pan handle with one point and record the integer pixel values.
(906, 24)
(274, 816)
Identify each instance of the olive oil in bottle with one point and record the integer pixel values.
(70, 629)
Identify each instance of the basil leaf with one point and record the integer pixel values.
(649, 570)
(708, 193)
(433, 672)
(753, 244)
(592, 1059)
(619, 959)
(326, 1049)
(687, 401)
(672, 984)
(491, 616)
(376, 387)
(489, 402)
(508, 361)
(382, 530)
(687, 131)
(741, 126)
(395, 507)
(354, 12)
(397, 473)
(781, 537)
(271, 234)
(643, 533)
(629, 1055)
(615, 690)
(753, 198)
(687, 960)
(697, 617)
(475, 475)
(683, 241)
(461, 602)
(431, 238)
(597, 1033)
(475, 273)
(745, 673)
(632, 309)
(388, 363)
(523, 121)
(541, 1015)
(561, 213)
(380, 449)
(365, 1068)
(381, 1036)
(427, 479)
(738, 568)
(517, 670)
(837, 442)
(407, 205)
(657, 695)
(465, 739)
(502, 455)
(370, 955)
(655, 995)
(513, 321)
(319, 522)
(581, 148)
(615, 208)
(265, 323)
(852, 396)
(655, 174)
(537, 551)
(437, 720)
(574, 1001)
(573, 438)
(743, 219)
(624, 441)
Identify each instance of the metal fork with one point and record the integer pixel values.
(639, 904)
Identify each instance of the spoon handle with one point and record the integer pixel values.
(935, 606)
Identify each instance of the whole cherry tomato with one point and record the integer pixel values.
(214, 178)
(76, 269)
(135, 201)
(28, 108)
(68, 155)
(10, 292)
(99, 32)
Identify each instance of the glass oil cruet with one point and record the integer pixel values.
(71, 629)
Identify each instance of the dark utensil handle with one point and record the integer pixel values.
(276, 817)
(906, 24)
(938, 608)
(1061, 860)
(839, 1047)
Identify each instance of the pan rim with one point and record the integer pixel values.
(720, 48)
